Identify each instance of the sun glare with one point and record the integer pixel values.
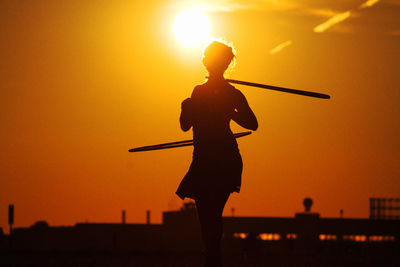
(191, 28)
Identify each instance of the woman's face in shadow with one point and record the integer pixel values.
(217, 57)
(215, 66)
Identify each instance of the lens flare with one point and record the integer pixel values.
(191, 28)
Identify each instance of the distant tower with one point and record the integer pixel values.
(341, 213)
(123, 217)
(233, 212)
(10, 216)
(148, 216)
(11, 222)
(307, 202)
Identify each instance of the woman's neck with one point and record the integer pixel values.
(216, 77)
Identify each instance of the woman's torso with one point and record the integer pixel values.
(214, 104)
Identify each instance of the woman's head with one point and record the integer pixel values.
(217, 56)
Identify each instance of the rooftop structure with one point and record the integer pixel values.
(384, 208)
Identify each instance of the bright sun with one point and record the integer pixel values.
(191, 28)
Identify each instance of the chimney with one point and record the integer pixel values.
(11, 222)
(148, 216)
(11, 215)
(123, 217)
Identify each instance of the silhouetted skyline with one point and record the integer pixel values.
(83, 81)
(303, 239)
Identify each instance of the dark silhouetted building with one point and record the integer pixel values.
(322, 240)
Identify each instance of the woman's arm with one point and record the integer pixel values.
(243, 115)
(185, 118)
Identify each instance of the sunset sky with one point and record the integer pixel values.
(81, 82)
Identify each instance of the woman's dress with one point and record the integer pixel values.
(217, 164)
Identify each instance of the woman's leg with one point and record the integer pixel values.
(210, 208)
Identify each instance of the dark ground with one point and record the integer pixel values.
(144, 259)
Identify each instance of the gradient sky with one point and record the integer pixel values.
(81, 82)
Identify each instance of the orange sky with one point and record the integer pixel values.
(84, 81)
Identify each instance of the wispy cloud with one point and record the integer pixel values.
(279, 47)
(235, 5)
(265, 5)
(369, 3)
(394, 33)
(320, 12)
(332, 21)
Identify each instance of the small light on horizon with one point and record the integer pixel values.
(240, 235)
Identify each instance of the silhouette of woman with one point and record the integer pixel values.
(216, 168)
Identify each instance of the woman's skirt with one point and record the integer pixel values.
(210, 172)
